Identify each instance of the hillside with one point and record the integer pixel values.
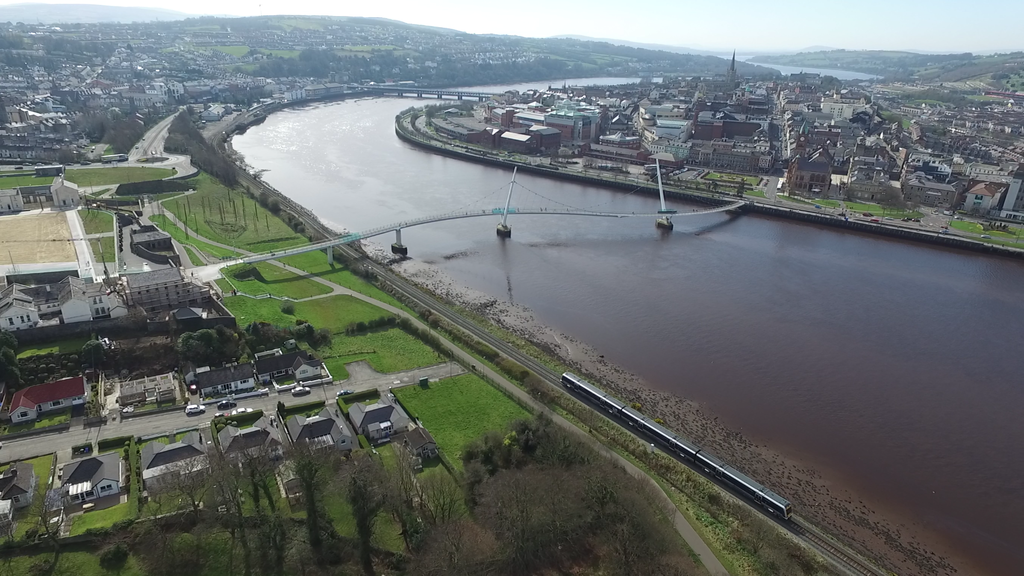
(996, 69)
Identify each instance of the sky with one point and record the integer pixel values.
(747, 25)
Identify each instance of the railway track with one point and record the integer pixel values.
(840, 558)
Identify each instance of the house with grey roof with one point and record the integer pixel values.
(321, 431)
(92, 478)
(17, 484)
(298, 364)
(379, 421)
(162, 463)
(220, 381)
(261, 437)
(420, 443)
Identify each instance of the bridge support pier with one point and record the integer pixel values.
(504, 231)
(398, 247)
(664, 223)
(330, 255)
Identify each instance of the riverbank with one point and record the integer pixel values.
(689, 415)
(754, 205)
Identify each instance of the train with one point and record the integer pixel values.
(685, 449)
(108, 158)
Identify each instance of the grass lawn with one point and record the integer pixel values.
(193, 257)
(346, 402)
(878, 209)
(273, 280)
(750, 180)
(442, 406)
(164, 223)
(238, 51)
(828, 203)
(62, 346)
(387, 533)
(387, 351)
(1013, 236)
(307, 409)
(47, 419)
(116, 175)
(316, 263)
(28, 180)
(71, 560)
(333, 312)
(230, 217)
(103, 249)
(97, 221)
(99, 518)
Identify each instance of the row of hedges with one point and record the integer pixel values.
(134, 479)
(152, 187)
(284, 411)
(238, 420)
(361, 327)
(115, 443)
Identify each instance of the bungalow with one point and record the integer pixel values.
(91, 478)
(17, 485)
(220, 381)
(28, 403)
(321, 431)
(162, 463)
(380, 420)
(299, 364)
(420, 443)
(262, 437)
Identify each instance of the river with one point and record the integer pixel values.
(894, 368)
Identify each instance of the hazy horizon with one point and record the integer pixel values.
(745, 27)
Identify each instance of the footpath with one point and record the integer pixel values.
(693, 540)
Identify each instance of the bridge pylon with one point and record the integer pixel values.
(398, 247)
(665, 222)
(504, 230)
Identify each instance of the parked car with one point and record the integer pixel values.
(193, 409)
(300, 391)
(238, 411)
(343, 393)
(985, 236)
(225, 404)
(221, 414)
(868, 214)
(875, 220)
(19, 167)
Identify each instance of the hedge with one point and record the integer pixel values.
(116, 442)
(300, 408)
(152, 187)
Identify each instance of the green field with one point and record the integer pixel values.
(193, 257)
(103, 249)
(879, 210)
(97, 221)
(385, 350)
(116, 175)
(230, 217)
(333, 312)
(70, 560)
(238, 51)
(27, 180)
(387, 533)
(974, 228)
(68, 346)
(722, 177)
(99, 518)
(316, 263)
(442, 408)
(165, 224)
(274, 280)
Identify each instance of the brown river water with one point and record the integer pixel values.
(896, 370)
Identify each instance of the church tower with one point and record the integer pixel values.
(731, 75)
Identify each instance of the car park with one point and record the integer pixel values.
(194, 409)
(300, 391)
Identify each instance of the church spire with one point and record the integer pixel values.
(732, 66)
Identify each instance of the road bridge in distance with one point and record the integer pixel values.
(440, 93)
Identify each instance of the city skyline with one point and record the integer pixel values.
(747, 27)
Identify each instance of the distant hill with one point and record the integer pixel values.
(85, 14)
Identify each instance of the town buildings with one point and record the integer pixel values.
(165, 289)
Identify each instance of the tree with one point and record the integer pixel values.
(313, 468)
(366, 495)
(92, 353)
(189, 480)
(441, 499)
(9, 370)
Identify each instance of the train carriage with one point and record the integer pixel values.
(711, 463)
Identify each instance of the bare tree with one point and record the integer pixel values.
(441, 499)
(189, 481)
(228, 485)
(312, 468)
(367, 497)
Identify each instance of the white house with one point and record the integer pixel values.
(983, 197)
(17, 310)
(11, 200)
(81, 301)
(28, 403)
(299, 364)
(92, 478)
(65, 194)
(219, 381)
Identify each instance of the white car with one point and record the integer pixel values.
(193, 409)
(300, 391)
(238, 411)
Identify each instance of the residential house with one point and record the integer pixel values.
(11, 200)
(420, 443)
(165, 289)
(17, 310)
(65, 194)
(299, 364)
(18, 484)
(378, 421)
(219, 381)
(321, 431)
(29, 403)
(262, 437)
(162, 463)
(6, 518)
(148, 389)
(92, 478)
(921, 190)
(82, 301)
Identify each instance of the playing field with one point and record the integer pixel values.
(35, 239)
